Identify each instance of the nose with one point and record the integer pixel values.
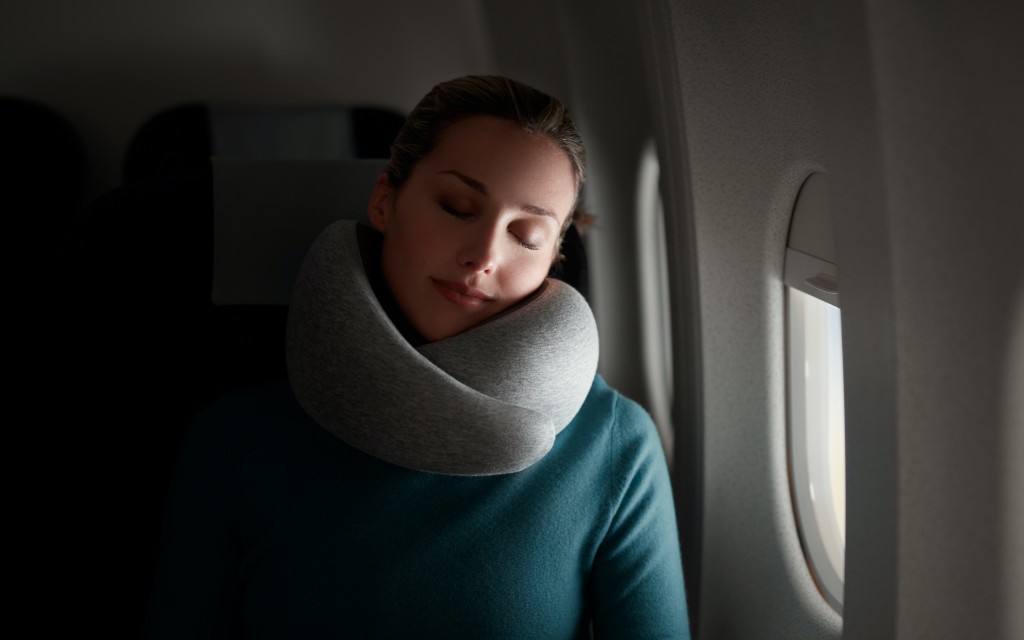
(479, 250)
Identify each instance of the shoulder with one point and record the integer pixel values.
(637, 572)
(605, 403)
(252, 402)
(626, 423)
(250, 409)
(257, 418)
(615, 435)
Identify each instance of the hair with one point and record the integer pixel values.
(450, 102)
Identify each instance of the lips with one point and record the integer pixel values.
(461, 294)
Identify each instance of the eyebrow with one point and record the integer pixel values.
(481, 188)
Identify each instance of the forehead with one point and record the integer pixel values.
(513, 165)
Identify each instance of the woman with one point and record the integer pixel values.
(443, 460)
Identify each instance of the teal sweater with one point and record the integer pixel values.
(277, 529)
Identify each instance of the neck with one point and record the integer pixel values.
(371, 244)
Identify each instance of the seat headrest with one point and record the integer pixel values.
(267, 213)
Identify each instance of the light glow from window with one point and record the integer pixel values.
(655, 316)
(818, 437)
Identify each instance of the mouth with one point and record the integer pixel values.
(461, 294)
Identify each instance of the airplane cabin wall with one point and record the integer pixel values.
(745, 75)
(915, 111)
(926, 127)
(1013, 505)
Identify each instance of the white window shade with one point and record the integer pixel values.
(817, 427)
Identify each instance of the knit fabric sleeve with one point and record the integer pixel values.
(196, 592)
(637, 577)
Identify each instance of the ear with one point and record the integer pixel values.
(381, 203)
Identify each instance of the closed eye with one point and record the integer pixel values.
(452, 211)
(529, 233)
(465, 215)
(528, 245)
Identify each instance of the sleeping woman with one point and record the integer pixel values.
(443, 460)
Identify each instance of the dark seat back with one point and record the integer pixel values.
(184, 137)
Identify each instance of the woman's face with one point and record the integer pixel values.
(475, 227)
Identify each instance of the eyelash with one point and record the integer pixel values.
(462, 215)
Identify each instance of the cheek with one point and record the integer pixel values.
(400, 263)
(421, 240)
(528, 275)
(406, 247)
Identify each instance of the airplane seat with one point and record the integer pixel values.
(43, 173)
(141, 256)
(44, 166)
(572, 268)
(180, 283)
(184, 137)
(266, 214)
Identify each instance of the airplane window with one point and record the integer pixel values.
(817, 435)
(656, 322)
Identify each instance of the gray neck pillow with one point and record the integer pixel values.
(487, 401)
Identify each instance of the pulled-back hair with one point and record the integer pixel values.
(449, 102)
